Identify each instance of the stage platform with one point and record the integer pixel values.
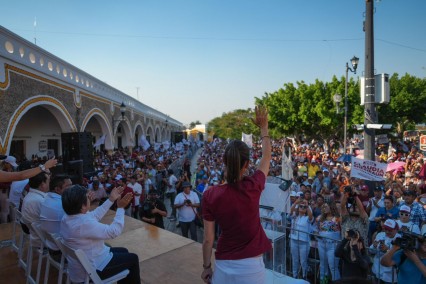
(165, 257)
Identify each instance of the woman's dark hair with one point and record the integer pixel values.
(37, 180)
(73, 199)
(236, 155)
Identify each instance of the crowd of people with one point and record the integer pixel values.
(351, 224)
(358, 229)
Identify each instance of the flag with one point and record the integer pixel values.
(100, 141)
(144, 143)
(248, 139)
(166, 145)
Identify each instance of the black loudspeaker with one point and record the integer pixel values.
(75, 171)
(78, 146)
(177, 137)
(58, 170)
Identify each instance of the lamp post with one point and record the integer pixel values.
(354, 62)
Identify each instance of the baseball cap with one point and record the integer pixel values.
(405, 208)
(118, 177)
(11, 160)
(364, 188)
(293, 194)
(391, 224)
(186, 184)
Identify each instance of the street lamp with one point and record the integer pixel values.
(337, 98)
(354, 62)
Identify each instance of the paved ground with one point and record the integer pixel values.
(172, 225)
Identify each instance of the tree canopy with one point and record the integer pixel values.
(308, 110)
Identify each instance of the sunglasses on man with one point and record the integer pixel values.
(404, 214)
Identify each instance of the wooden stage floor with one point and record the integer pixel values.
(164, 257)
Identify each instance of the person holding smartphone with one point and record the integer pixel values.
(352, 252)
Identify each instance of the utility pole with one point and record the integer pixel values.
(370, 116)
(137, 93)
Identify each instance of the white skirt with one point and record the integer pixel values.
(241, 271)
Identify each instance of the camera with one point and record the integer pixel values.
(408, 241)
(351, 195)
(188, 202)
(352, 234)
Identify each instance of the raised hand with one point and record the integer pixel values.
(91, 196)
(116, 193)
(261, 118)
(123, 202)
(51, 163)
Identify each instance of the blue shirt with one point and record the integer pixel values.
(408, 271)
(51, 214)
(393, 213)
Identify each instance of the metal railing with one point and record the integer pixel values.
(280, 258)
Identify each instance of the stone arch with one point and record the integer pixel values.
(55, 108)
(164, 134)
(138, 132)
(150, 134)
(125, 136)
(157, 134)
(99, 116)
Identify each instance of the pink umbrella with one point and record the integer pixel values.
(395, 165)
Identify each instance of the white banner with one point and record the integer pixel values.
(248, 139)
(144, 143)
(368, 170)
(100, 141)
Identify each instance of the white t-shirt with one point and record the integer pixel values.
(408, 227)
(186, 213)
(137, 188)
(172, 184)
(16, 189)
(374, 209)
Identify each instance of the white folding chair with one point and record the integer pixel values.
(15, 221)
(23, 237)
(50, 260)
(91, 274)
(42, 253)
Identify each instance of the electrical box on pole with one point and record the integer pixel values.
(382, 91)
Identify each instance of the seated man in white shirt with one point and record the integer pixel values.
(83, 230)
(51, 211)
(31, 205)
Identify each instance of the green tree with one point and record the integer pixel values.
(308, 111)
(194, 123)
(233, 124)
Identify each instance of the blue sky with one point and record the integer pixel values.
(195, 59)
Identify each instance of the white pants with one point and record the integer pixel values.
(299, 256)
(241, 271)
